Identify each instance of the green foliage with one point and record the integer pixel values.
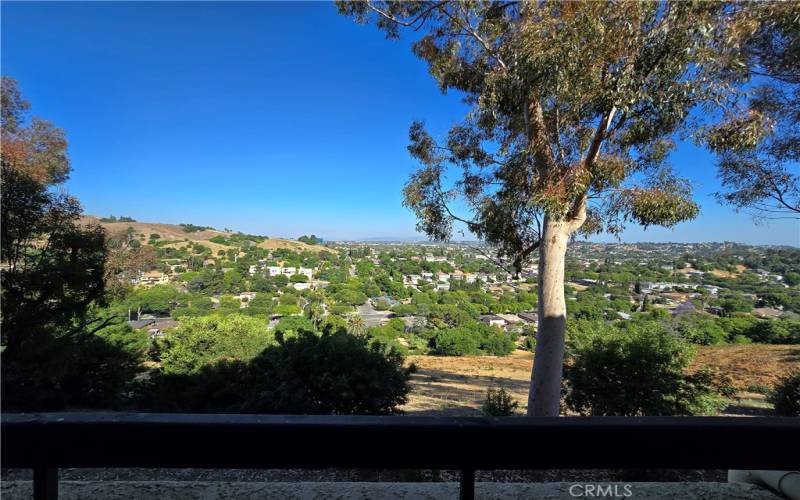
(455, 342)
(499, 403)
(405, 309)
(293, 325)
(159, 299)
(287, 310)
(350, 296)
(495, 342)
(310, 240)
(757, 139)
(638, 370)
(382, 305)
(332, 373)
(53, 276)
(582, 101)
(774, 332)
(191, 228)
(200, 341)
(340, 309)
(111, 218)
(65, 371)
(699, 329)
(786, 396)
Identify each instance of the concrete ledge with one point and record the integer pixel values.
(219, 490)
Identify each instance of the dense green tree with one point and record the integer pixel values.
(53, 355)
(331, 373)
(639, 370)
(196, 342)
(455, 342)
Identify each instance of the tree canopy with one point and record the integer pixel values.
(758, 138)
(574, 109)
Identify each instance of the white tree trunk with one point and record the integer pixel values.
(544, 397)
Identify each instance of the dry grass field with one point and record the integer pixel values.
(719, 273)
(174, 232)
(457, 385)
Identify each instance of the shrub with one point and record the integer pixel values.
(530, 343)
(292, 325)
(786, 395)
(774, 331)
(387, 336)
(287, 310)
(340, 309)
(334, 373)
(699, 329)
(382, 305)
(455, 342)
(638, 370)
(758, 388)
(405, 309)
(499, 403)
(200, 341)
(496, 342)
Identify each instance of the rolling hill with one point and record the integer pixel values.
(176, 233)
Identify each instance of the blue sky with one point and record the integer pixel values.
(272, 118)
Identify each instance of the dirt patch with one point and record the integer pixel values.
(719, 273)
(450, 385)
(457, 385)
(297, 246)
(750, 364)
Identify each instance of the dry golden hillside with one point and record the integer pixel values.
(456, 385)
(174, 232)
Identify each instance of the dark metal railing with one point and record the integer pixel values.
(44, 442)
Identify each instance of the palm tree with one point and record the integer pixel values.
(356, 324)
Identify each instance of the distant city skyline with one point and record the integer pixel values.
(268, 118)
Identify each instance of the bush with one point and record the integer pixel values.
(340, 309)
(405, 309)
(292, 325)
(200, 341)
(499, 403)
(334, 373)
(287, 310)
(758, 388)
(496, 342)
(774, 331)
(382, 305)
(67, 372)
(455, 342)
(786, 396)
(638, 370)
(700, 329)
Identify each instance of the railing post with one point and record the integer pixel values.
(467, 484)
(45, 483)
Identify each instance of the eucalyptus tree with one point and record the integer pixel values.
(758, 137)
(574, 108)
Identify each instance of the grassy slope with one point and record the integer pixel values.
(176, 232)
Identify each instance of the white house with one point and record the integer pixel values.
(493, 320)
(289, 271)
(151, 278)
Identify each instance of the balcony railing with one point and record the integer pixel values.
(46, 441)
